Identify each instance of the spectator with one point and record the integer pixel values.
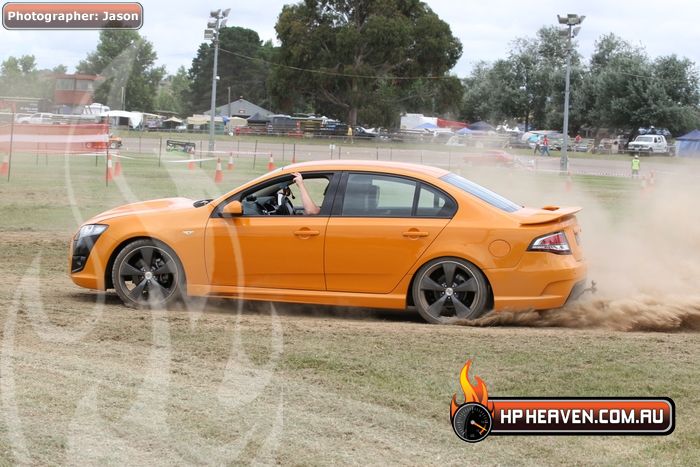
(545, 146)
(635, 166)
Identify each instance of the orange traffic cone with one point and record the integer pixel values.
(5, 167)
(190, 165)
(230, 162)
(117, 167)
(109, 175)
(270, 164)
(219, 174)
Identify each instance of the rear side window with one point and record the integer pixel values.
(378, 195)
(434, 203)
(480, 192)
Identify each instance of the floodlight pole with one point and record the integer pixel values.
(564, 161)
(570, 21)
(213, 92)
(218, 21)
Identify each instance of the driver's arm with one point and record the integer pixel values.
(310, 207)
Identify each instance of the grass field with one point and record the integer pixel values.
(85, 380)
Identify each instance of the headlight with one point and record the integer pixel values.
(83, 242)
(90, 230)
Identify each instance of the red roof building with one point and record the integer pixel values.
(73, 92)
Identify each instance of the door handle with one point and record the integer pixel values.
(415, 234)
(306, 233)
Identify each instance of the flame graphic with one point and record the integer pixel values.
(472, 393)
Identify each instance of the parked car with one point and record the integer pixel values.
(37, 118)
(115, 142)
(388, 235)
(649, 144)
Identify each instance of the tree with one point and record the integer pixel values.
(243, 66)
(173, 92)
(346, 56)
(627, 90)
(19, 77)
(527, 86)
(126, 61)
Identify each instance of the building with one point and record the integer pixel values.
(240, 108)
(73, 92)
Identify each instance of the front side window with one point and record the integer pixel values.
(282, 196)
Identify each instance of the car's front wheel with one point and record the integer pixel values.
(446, 289)
(147, 273)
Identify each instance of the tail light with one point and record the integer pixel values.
(553, 243)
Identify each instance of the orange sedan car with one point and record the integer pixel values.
(388, 235)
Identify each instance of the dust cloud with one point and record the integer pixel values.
(641, 242)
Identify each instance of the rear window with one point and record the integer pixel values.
(480, 192)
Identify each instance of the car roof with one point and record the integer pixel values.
(370, 166)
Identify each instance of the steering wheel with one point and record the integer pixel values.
(286, 208)
(266, 208)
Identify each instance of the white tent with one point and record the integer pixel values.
(115, 116)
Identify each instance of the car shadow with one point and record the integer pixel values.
(253, 308)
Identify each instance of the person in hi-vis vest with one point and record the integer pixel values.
(635, 166)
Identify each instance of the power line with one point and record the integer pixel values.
(334, 73)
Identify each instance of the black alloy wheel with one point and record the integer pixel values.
(147, 273)
(446, 289)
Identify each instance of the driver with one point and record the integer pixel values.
(310, 207)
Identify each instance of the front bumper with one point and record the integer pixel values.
(87, 268)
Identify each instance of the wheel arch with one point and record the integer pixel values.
(109, 284)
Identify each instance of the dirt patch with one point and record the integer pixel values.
(642, 314)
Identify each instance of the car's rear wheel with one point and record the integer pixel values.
(147, 273)
(446, 289)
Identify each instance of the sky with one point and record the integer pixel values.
(486, 28)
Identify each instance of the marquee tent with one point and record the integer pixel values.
(689, 145)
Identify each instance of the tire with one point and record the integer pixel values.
(440, 302)
(113, 145)
(135, 279)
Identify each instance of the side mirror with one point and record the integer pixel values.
(232, 209)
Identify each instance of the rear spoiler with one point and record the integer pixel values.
(530, 216)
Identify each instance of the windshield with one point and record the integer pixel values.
(480, 192)
(645, 139)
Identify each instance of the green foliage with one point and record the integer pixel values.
(628, 90)
(242, 66)
(173, 93)
(19, 77)
(620, 88)
(357, 50)
(125, 60)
